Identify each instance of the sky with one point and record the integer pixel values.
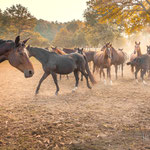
(51, 10)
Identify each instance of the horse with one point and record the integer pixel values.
(102, 59)
(148, 49)
(118, 58)
(69, 51)
(136, 53)
(58, 51)
(16, 54)
(89, 55)
(54, 64)
(141, 63)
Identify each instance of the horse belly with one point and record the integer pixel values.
(65, 68)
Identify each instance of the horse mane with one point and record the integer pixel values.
(41, 49)
(60, 52)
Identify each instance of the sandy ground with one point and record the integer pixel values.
(106, 117)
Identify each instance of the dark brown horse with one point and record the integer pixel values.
(69, 51)
(58, 51)
(89, 55)
(141, 63)
(118, 58)
(136, 53)
(17, 55)
(54, 64)
(102, 59)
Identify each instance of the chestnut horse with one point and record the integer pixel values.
(136, 53)
(102, 59)
(17, 55)
(118, 58)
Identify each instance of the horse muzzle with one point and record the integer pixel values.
(28, 73)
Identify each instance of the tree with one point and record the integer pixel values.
(20, 18)
(99, 34)
(132, 15)
(63, 38)
(79, 39)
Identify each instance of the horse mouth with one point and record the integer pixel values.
(28, 74)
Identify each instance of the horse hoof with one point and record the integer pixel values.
(36, 92)
(105, 83)
(137, 81)
(56, 94)
(89, 87)
(74, 89)
(144, 82)
(111, 83)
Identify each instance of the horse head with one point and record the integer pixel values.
(108, 50)
(120, 49)
(79, 50)
(148, 49)
(18, 57)
(137, 48)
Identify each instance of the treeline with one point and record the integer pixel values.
(18, 20)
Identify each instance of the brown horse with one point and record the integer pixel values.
(118, 58)
(102, 59)
(17, 55)
(89, 55)
(69, 51)
(136, 53)
(58, 51)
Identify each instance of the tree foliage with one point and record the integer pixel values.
(20, 18)
(48, 29)
(131, 15)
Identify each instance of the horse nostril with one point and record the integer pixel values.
(30, 72)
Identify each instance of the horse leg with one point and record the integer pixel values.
(81, 77)
(60, 77)
(93, 68)
(76, 74)
(67, 77)
(122, 69)
(102, 70)
(142, 75)
(56, 82)
(116, 70)
(100, 73)
(136, 72)
(86, 77)
(45, 75)
(109, 74)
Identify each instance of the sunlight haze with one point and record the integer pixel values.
(51, 10)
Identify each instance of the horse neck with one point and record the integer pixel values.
(139, 52)
(5, 47)
(105, 54)
(39, 53)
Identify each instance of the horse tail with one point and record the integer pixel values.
(132, 67)
(92, 79)
(129, 63)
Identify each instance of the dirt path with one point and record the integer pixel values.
(107, 117)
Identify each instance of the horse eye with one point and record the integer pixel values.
(21, 54)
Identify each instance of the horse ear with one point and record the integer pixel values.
(28, 47)
(17, 40)
(135, 42)
(25, 41)
(139, 43)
